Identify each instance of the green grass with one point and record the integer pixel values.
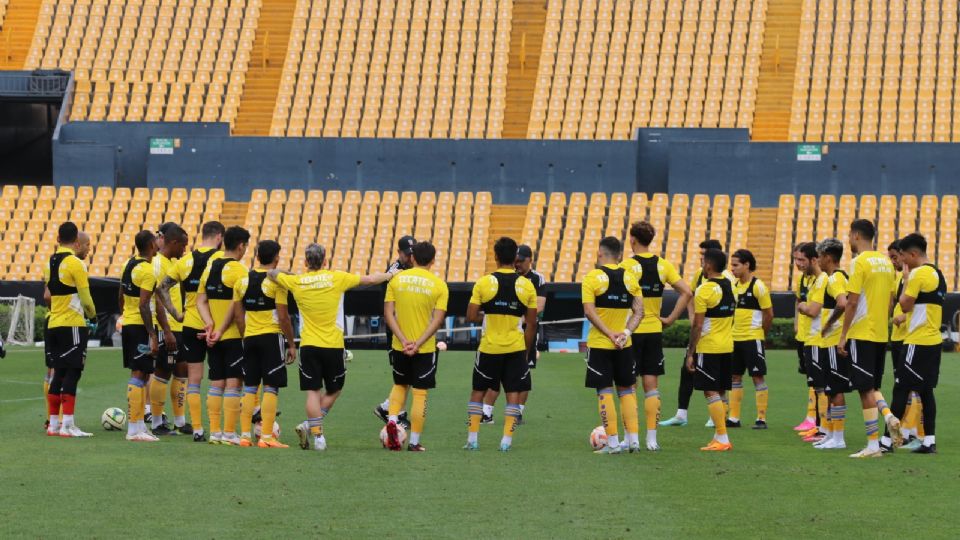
(771, 485)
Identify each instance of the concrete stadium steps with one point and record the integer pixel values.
(771, 121)
(526, 40)
(266, 68)
(17, 32)
(234, 213)
(505, 220)
(762, 243)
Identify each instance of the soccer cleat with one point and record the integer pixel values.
(760, 424)
(867, 453)
(806, 425)
(504, 447)
(53, 432)
(815, 438)
(809, 432)
(675, 421)
(733, 423)
(709, 423)
(198, 436)
(303, 433)
(246, 442)
(163, 429)
(924, 449)
(230, 439)
(915, 442)
(519, 420)
(486, 419)
(185, 429)
(271, 443)
(633, 448)
(393, 437)
(73, 432)
(893, 426)
(886, 448)
(416, 448)
(717, 446)
(653, 446)
(471, 446)
(380, 413)
(609, 450)
(403, 419)
(319, 443)
(216, 438)
(831, 444)
(143, 436)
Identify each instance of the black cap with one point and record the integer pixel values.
(405, 244)
(524, 252)
(165, 228)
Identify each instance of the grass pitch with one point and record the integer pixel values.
(549, 485)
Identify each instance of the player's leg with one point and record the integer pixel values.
(684, 393)
(424, 378)
(157, 388)
(712, 377)
(648, 359)
(486, 376)
(274, 378)
(489, 400)
(402, 367)
(862, 359)
(515, 379)
(178, 395)
(740, 351)
(233, 390)
(253, 370)
(137, 358)
(924, 379)
(810, 419)
(599, 377)
(193, 351)
(217, 375)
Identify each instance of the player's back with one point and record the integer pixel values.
(415, 294)
(319, 295)
(873, 279)
(64, 274)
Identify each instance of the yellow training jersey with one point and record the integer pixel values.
(653, 273)
(137, 276)
(752, 298)
(802, 291)
(64, 275)
(899, 331)
(928, 286)
(415, 294)
(187, 271)
(715, 299)
(611, 289)
(217, 282)
(504, 297)
(873, 279)
(836, 286)
(319, 295)
(161, 267)
(259, 303)
(698, 279)
(815, 295)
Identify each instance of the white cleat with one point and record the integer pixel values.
(320, 443)
(893, 426)
(831, 444)
(303, 434)
(709, 423)
(230, 439)
(74, 432)
(653, 446)
(216, 438)
(867, 453)
(143, 436)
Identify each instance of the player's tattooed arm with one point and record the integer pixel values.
(636, 316)
(163, 293)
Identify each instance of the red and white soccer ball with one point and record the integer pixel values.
(258, 430)
(401, 434)
(598, 438)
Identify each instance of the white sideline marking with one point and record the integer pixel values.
(11, 381)
(21, 399)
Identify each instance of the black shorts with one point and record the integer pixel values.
(67, 346)
(713, 372)
(749, 357)
(606, 367)
(322, 367)
(263, 361)
(510, 370)
(193, 350)
(836, 369)
(225, 360)
(136, 348)
(418, 371)
(920, 368)
(866, 363)
(816, 376)
(47, 355)
(166, 360)
(532, 353)
(647, 351)
(896, 359)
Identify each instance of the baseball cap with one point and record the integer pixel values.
(166, 227)
(406, 243)
(524, 252)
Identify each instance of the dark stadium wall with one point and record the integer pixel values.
(25, 150)
(655, 144)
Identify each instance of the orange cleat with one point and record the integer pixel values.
(271, 443)
(809, 432)
(717, 446)
(246, 443)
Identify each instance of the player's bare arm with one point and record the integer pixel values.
(696, 327)
(686, 294)
(163, 293)
(286, 326)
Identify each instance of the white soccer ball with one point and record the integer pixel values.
(347, 355)
(598, 438)
(441, 345)
(112, 419)
(401, 434)
(258, 430)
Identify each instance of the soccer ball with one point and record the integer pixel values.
(441, 345)
(401, 434)
(598, 438)
(347, 355)
(112, 419)
(258, 430)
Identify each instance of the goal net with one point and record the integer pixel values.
(16, 320)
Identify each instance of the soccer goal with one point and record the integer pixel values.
(16, 320)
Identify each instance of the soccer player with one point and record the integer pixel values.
(186, 273)
(171, 243)
(864, 334)
(414, 308)
(911, 424)
(647, 342)
(70, 307)
(139, 335)
(809, 324)
(319, 294)
(223, 335)
(751, 322)
(613, 303)
(507, 300)
(524, 266)
(403, 262)
(685, 391)
(803, 255)
(829, 300)
(711, 343)
(265, 325)
(921, 302)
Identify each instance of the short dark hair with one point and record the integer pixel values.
(832, 248)
(716, 258)
(914, 241)
(865, 227)
(612, 244)
(746, 257)
(67, 233)
(894, 246)
(175, 234)
(267, 251)
(710, 243)
(166, 228)
(234, 236)
(143, 240)
(211, 229)
(505, 250)
(424, 253)
(643, 231)
(807, 249)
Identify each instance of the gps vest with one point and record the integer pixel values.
(748, 300)
(728, 302)
(200, 259)
(616, 296)
(254, 299)
(936, 296)
(215, 288)
(57, 287)
(506, 301)
(650, 282)
(804, 288)
(829, 302)
(126, 280)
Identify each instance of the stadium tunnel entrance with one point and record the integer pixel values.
(30, 107)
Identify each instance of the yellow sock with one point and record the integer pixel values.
(474, 414)
(628, 409)
(247, 404)
(258, 396)
(608, 412)
(316, 424)
(418, 410)
(763, 396)
(822, 404)
(510, 415)
(46, 387)
(231, 409)
(651, 409)
(921, 431)
(268, 411)
(158, 395)
(871, 424)
(881, 404)
(839, 415)
(811, 404)
(726, 405)
(736, 400)
(215, 408)
(717, 414)
(178, 393)
(398, 397)
(196, 410)
(135, 400)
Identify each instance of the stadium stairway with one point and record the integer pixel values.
(505, 220)
(234, 213)
(266, 68)
(771, 121)
(763, 219)
(526, 40)
(17, 32)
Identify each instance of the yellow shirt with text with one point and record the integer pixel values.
(872, 278)
(319, 295)
(415, 294)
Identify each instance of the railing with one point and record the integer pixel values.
(34, 84)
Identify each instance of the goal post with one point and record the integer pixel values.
(17, 320)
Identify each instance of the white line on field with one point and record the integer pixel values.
(11, 381)
(21, 399)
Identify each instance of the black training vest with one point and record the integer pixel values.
(804, 287)
(255, 299)
(829, 302)
(57, 287)
(616, 296)
(126, 280)
(506, 301)
(934, 297)
(650, 282)
(748, 300)
(215, 288)
(200, 258)
(728, 302)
